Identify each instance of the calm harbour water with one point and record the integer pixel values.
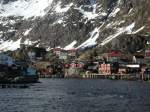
(74, 95)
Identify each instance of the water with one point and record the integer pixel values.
(74, 95)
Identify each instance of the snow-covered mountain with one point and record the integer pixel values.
(123, 24)
(25, 8)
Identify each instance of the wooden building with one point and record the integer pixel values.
(114, 55)
(57, 51)
(147, 54)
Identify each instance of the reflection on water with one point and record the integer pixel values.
(74, 95)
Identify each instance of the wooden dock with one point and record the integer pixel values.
(103, 76)
(114, 76)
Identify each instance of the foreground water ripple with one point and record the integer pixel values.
(74, 95)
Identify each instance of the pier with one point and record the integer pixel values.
(116, 76)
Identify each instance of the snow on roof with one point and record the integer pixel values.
(71, 46)
(59, 9)
(133, 66)
(25, 8)
(27, 32)
(92, 40)
(120, 31)
(10, 45)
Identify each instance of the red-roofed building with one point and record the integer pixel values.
(57, 51)
(114, 55)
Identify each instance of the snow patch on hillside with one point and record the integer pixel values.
(10, 45)
(92, 40)
(138, 30)
(4, 22)
(119, 31)
(114, 24)
(25, 8)
(59, 9)
(115, 11)
(27, 32)
(29, 42)
(59, 21)
(88, 15)
(71, 46)
(13, 45)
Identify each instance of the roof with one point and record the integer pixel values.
(133, 65)
(114, 53)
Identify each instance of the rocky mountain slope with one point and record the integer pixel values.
(123, 24)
